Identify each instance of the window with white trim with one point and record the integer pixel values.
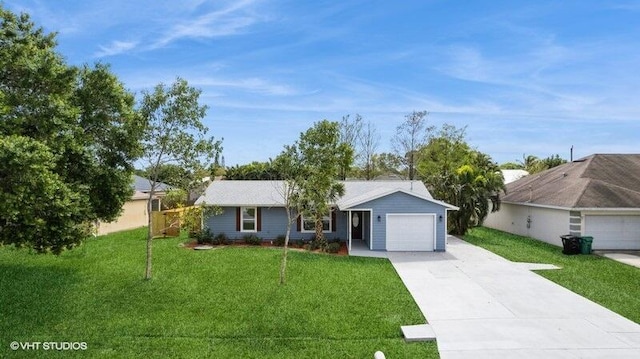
(249, 219)
(309, 224)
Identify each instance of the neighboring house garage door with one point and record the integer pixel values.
(613, 232)
(410, 232)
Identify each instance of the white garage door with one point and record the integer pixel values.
(411, 232)
(613, 232)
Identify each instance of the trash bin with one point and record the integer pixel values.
(570, 244)
(585, 244)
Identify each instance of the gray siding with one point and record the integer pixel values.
(403, 203)
(273, 224)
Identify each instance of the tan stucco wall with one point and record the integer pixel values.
(134, 215)
(545, 224)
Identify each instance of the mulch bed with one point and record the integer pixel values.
(342, 252)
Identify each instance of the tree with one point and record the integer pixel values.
(388, 164)
(175, 198)
(322, 156)
(410, 136)
(168, 173)
(553, 161)
(289, 164)
(27, 178)
(253, 171)
(82, 119)
(510, 166)
(455, 173)
(173, 133)
(533, 164)
(369, 141)
(309, 169)
(350, 133)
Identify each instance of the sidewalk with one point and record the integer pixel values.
(482, 306)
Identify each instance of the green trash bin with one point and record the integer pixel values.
(585, 244)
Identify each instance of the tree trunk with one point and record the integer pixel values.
(283, 263)
(320, 240)
(147, 272)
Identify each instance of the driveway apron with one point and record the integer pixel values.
(481, 305)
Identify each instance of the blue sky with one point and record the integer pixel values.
(530, 77)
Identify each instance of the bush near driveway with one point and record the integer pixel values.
(609, 283)
(223, 303)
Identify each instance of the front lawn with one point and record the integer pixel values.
(222, 303)
(612, 284)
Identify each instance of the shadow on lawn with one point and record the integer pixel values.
(33, 302)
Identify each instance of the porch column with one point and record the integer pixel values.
(349, 231)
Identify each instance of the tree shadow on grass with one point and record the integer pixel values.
(33, 302)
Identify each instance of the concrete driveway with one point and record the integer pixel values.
(482, 306)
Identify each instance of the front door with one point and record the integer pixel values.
(356, 225)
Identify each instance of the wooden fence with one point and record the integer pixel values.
(167, 223)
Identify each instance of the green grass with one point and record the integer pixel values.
(612, 284)
(223, 303)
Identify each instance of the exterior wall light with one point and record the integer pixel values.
(379, 218)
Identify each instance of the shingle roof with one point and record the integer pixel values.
(268, 193)
(144, 185)
(596, 181)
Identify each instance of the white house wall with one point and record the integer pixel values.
(545, 224)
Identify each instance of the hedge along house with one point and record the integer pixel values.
(596, 196)
(381, 215)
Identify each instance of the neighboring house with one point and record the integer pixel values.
(383, 215)
(596, 196)
(134, 211)
(513, 175)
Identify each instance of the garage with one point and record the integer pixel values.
(410, 231)
(613, 231)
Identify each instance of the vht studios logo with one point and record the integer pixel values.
(48, 345)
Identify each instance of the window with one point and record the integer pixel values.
(249, 219)
(309, 225)
(156, 205)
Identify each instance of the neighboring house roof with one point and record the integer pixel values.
(142, 184)
(596, 181)
(513, 175)
(269, 193)
(137, 195)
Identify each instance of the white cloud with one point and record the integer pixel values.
(230, 20)
(116, 48)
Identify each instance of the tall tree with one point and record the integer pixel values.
(82, 117)
(174, 133)
(369, 141)
(350, 133)
(460, 175)
(322, 156)
(410, 136)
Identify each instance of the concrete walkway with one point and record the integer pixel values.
(482, 306)
(631, 258)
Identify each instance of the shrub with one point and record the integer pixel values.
(220, 238)
(334, 247)
(279, 241)
(192, 221)
(252, 239)
(335, 240)
(204, 237)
